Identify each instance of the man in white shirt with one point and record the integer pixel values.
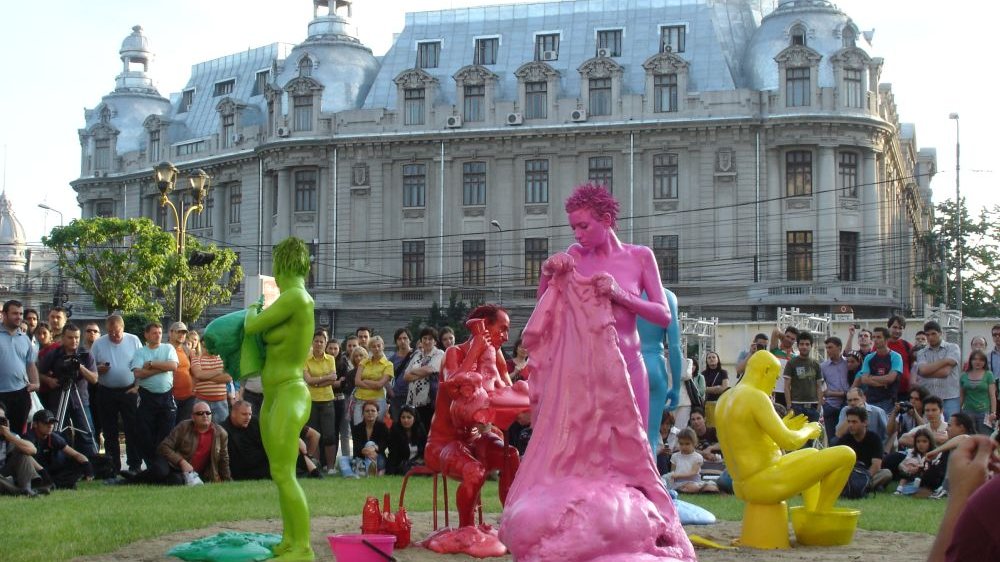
(113, 353)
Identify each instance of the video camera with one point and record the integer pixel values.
(67, 370)
(905, 406)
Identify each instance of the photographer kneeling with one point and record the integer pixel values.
(62, 465)
(69, 369)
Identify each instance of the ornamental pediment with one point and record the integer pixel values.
(474, 75)
(302, 85)
(414, 78)
(600, 67)
(665, 63)
(851, 56)
(536, 71)
(798, 55)
(103, 130)
(155, 122)
(229, 106)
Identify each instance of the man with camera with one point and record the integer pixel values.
(68, 369)
(16, 468)
(62, 465)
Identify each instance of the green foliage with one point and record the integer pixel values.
(453, 316)
(118, 262)
(980, 242)
(205, 285)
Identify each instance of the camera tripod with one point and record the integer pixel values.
(66, 394)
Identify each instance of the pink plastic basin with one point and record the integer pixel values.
(349, 548)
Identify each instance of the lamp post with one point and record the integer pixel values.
(496, 224)
(59, 298)
(166, 177)
(958, 217)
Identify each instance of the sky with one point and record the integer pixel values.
(62, 57)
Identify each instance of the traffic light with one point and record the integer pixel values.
(198, 259)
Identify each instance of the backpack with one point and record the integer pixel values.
(857, 483)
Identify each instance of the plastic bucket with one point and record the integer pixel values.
(349, 548)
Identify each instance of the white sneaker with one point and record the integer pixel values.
(192, 479)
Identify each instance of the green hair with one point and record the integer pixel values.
(291, 256)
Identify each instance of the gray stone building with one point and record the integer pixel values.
(757, 154)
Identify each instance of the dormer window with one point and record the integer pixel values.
(486, 51)
(187, 100)
(609, 42)
(547, 47)
(850, 37)
(305, 67)
(260, 81)
(154, 145)
(224, 88)
(429, 54)
(673, 38)
(102, 154)
(798, 35)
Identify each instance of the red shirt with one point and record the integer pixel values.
(903, 348)
(203, 452)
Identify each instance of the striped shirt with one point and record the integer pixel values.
(208, 390)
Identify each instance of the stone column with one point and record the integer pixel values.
(870, 259)
(220, 202)
(285, 208)
(772, 247)
(827, 236)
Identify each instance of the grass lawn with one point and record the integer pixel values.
(98, 519)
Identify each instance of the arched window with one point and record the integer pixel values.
(850, 37)
(798, 34)
(305, 66)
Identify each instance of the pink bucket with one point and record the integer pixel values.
(349, 548)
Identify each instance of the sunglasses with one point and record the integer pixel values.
(203, 413)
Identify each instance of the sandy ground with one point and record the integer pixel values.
(869, 546)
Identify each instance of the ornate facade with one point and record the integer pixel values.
(758, 155)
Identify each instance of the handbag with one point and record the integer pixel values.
(697, 401)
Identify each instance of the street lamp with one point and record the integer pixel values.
(166, 177)
(47, 208)
(958, 228)
(496, 224)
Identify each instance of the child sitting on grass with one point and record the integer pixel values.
(912, 466)
(686, 463)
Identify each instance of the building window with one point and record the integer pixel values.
(600, 171)
(798, 173)
(673, 38)
(665, 176)
(848, 256)
(102, 154)
(259, 82)
(611, 41)
(413, 106)
(850, 37)
(848, 174)
(224, 88)
(667, 254)
(536, 251)
(305, 67)
(414, 185)
(189, 148)
(853, 87)
(547, 47)
(474, 103)
(474, 262)
(105, 208)
(536, 181)
(600, 96)
(474, 183)
(798, 35)
(797, 87)
(204, 218)
(235, 202)
(486, 51)
(413, 263)
(800, 255)
(187, 100)
(536, 100)
(428, 54)
(228, 130)
(302, 113)
(664, 93)
(154, 145)
(305, 190)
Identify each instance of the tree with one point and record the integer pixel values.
(454, 317)
(980, 243)
(205, 285)
(118, 262)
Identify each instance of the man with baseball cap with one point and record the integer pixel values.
(183, 383)
(61, 464)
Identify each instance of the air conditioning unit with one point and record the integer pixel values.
(454, 122)
(237, 138)
(283, 131)
(578, 115)
(604, 53)
(550, 55)
(515, 118)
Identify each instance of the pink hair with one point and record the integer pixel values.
(597, 199)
